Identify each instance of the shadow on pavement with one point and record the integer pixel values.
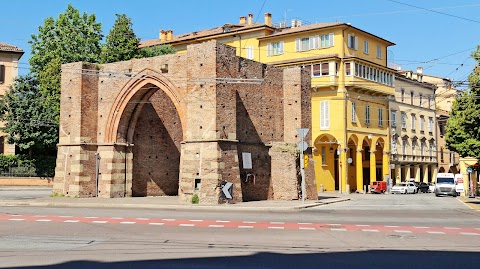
(361, 259)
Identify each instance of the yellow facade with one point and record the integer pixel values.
(348, 68)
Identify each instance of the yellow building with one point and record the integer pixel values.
(9, 57)
(351, 86)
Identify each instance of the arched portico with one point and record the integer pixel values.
(326, 156)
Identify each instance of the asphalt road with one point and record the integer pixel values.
(370, 231)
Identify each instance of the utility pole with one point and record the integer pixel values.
(302, 146)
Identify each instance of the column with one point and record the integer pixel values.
(343, 170)
(416, 169)
(425, 173)
(386, 165)
(359, 167)
(373, 167)
(397, 176)
(407, 173)
(434, 172)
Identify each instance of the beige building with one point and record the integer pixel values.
(9, 57)
(412, 130)
(448, 161)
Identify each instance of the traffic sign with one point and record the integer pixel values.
(226, 190)
(302, 132)
(302, 146)
(469, 170)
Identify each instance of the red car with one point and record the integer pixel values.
(378, 187)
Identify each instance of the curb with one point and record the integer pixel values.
(157, 206)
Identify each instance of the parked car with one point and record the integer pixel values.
(378, 187)
(422, 187)
(404, 187)
(431, 188)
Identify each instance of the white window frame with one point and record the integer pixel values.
(413, 121)
(327, 41)
(354, 112)
(324, 115)
(379, 52)
(394, 118)
(404, 120)
(352, 41)
(430, 124)
(414, 142)
(275, 48)
(367, 114)
(422, 123)
(380, 117)
(249, 52)
(307, 43)
(324, 155)
(365, 46)
(404, 147)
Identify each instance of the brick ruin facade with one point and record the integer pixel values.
(178, 125)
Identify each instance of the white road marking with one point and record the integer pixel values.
(277, 222)
(43, 220)
(116, 218)
(169, 219)
(127, 222)
(222, 221)
(338, 230)
(362, 225)
(334, 224)
(16, 219)
(306, 228)
(156, 223)
(421, 227)
(99, 221)
(142, 218)
(16, 215)
(435, 232)
(451, 228)
(402, 231)
(216, 226)
(91, 217)
(186, 225)
(245, 227)
(71, 221)
(305, 223)
(249, 222)
(273, 227)
(65, 216)
(391, 226)
(196, 220)
(368, 230)
(38, 216)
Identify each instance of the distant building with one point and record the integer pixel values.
(413, 130)
(9, 57)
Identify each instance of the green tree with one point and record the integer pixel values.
(463, 126)
(25, 115)
(121, 43)
(156, 51)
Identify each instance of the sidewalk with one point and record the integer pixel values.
(168, 202)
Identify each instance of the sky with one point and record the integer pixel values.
(438, 35)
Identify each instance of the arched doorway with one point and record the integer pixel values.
(366, 154)
(379, 152)
(352, 157)
(326, 163)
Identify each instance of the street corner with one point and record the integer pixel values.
(473, 203)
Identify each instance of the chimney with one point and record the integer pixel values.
(163, 36)
(268, 19)
(250, 19)
(169, 35)
(420, 70)
(243, 20)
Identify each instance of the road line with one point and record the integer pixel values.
(169, 219)
(245, 227)
(65, 216)
(470, 233)
(91, 217)
(391, 226)
(338, 230)
(143, 219)
(38, 216)
(274, 227)
(277, 222)
(334, 224)
(196, 220)
(116, 218)
(216, 226)
(16, 219)
(373, 231)
(306, 228)
(434, 232)
(225, 221)
(71, 221)
(249, 222)
(362, 225)
(127, 222)
(304, 223)
(16, 215)
(43, 220)
(186, 225)
(421, 227)
(402, 231)
(156, 223)
(99, 221)
(451, 228)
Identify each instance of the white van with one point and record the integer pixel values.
(445, 184)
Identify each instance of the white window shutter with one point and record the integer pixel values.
(331, 38)
(311, 41)
(281, 47)
(350, 45)
(269, 49)
(327, 114)
(317, 42)
(322, 115)
(297, 44)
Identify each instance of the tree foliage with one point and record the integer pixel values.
(156, 51)
(463, 126)
(28, 120)
(121, 42)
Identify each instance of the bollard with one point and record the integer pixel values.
(347, 187)
(364, 189)
(321, 188)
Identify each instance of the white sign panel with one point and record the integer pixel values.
(247, 160)
(459, 187)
